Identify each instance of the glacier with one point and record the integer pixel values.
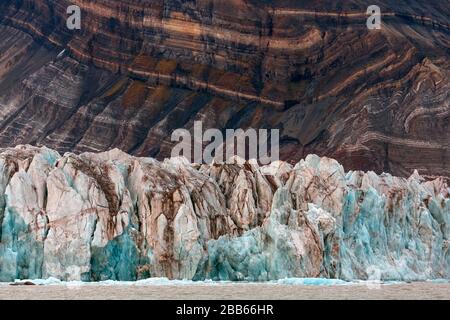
(114, 217)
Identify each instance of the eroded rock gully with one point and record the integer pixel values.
(114, 216)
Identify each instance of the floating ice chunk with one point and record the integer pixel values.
(312, 282)
(38, 282)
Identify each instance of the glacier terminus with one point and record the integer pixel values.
(112, 216)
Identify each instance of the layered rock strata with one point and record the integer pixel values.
(139, 69)
(113, 216)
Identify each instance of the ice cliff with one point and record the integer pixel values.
(113, 216)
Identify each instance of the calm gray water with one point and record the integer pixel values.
(422, 290)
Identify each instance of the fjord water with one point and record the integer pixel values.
(177, 290)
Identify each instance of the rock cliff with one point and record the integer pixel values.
(138, 69)
(114, 216)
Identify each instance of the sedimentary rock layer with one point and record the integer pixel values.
(375, 100)
(114, 216)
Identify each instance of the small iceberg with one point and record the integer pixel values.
(312, 282)
(36, 282)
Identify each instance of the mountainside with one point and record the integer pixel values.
(113, 216)
(138, 69)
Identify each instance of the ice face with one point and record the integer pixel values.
(110, 216)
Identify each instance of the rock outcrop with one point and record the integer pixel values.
(138, 69)
(113, 216)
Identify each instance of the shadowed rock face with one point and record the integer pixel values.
(113, 216)
(374, 100)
